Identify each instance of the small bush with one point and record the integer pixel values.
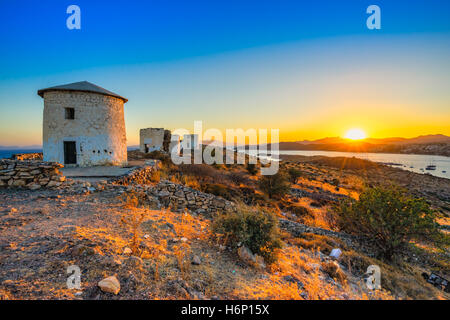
(335, 182)
(155, 176)
(315, 242)
(298, 210)
(334, 271)
(389, 217)
(133, 199)
(238, 178)
(250, 197)
(251, 168)
(158, 155)
(202, 172)
(293, 175)
(219, 190)
(275, 186)
(255, 229)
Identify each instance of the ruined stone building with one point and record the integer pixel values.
(83, 125)
(154, 139)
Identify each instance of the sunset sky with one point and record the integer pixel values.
(311, 69)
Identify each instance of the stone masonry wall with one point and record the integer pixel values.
(30, 174)
(173, 195)
(98, 129)
(297, 229)
(178, 197)
(153, 138)
(141, 175)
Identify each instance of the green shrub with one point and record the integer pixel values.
(256, 230)
(390, 218)
(238, 178)
(294, 174)
(219, 190)
(251, 168)
(335, 182)
(158, 155)
(275, 186)
(299, 210)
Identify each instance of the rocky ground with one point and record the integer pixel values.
(173, 254)
(44, 232)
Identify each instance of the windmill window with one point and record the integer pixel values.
(70, 113)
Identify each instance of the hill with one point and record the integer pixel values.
(437, 144)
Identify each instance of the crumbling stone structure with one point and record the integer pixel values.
(179, 197)
(154, 139)
(30, 174)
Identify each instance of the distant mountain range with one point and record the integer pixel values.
(436, 144)
(431, 138)
(32, 147)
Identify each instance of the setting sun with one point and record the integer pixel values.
(355, 134)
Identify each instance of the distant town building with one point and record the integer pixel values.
(83, 125)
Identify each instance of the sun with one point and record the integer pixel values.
(355, 134)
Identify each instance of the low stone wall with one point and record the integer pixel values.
(30, 174)
(178, 197)
(297, 229)
(323, 196)
(27, 156)
(140, 175)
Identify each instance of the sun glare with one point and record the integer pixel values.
(355, 134)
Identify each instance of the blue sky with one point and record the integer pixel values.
(179, 61)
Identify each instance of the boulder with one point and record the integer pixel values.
(335, 253)
(110, 285)
(246, 255)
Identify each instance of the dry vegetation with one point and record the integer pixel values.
(183, 256)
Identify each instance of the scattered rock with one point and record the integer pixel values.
(133, 262)
(110, 285)
(246, 255)
(127, 251)
(335, 253)
(81, 249)
(196, 260)
(293, 279)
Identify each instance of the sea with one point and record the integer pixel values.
(7, 153)
(411, 162)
